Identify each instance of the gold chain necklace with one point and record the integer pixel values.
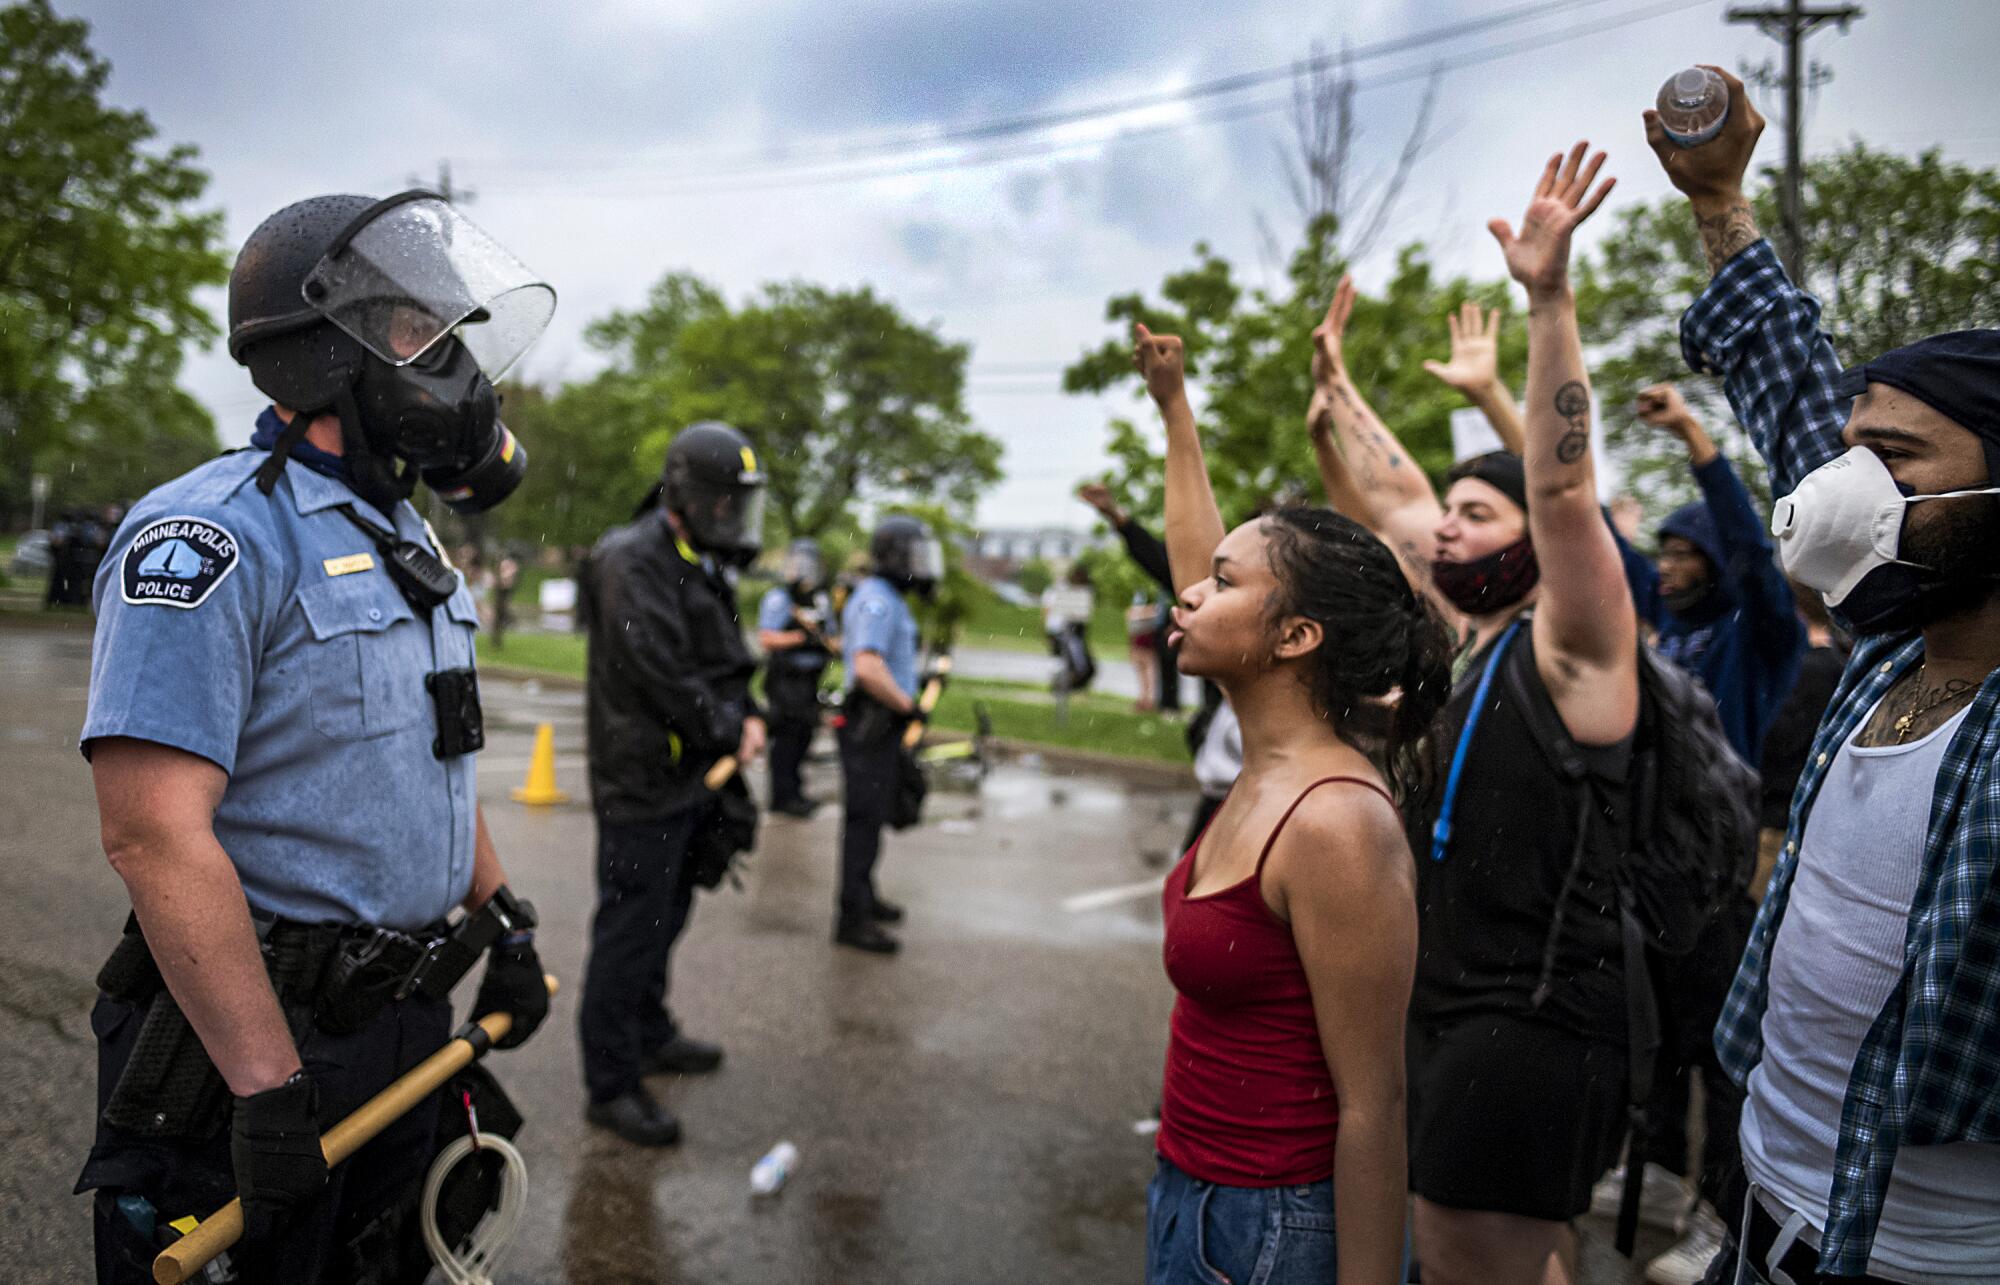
(1909, 720)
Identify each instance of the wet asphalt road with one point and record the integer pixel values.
(964, 1111)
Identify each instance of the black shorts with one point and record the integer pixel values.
(1512, 1116)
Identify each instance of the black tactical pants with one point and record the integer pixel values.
(644, 896)
(868, 776)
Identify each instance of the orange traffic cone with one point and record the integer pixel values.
(540, 787)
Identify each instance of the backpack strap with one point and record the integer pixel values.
(1441, 829)
(1642, 1009)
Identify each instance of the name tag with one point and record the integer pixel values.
(350, 564)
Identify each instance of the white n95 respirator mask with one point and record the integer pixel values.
(1840, 531)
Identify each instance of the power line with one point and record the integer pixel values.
(868, 146)
(836, 166)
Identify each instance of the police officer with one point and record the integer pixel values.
(669, 694)
(879, 640)
(792, 624)
(281, 725)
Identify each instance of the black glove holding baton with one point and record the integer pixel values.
(514, 985)
(274, 1148)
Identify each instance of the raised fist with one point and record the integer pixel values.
(1662, 407)
(1713, 169)
(1163, 362)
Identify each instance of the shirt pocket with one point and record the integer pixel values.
(368, 657)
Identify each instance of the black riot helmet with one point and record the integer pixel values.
(907, 554)
(805, 568)
(396, 315)
(711, 482)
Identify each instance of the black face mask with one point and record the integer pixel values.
(1695, 604)
(1489, 584)
(440, 415)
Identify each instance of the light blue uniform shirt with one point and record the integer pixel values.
(264, 634)
(877, 619)
(774, 612)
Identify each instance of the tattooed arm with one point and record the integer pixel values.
(1397, 500)
(1585, 629)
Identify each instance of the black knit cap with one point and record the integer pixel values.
(1956, 374)
(1501, 470)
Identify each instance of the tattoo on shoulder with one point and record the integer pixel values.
(1572, 402)
(1726, 234)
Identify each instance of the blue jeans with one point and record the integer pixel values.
(1203, 1233)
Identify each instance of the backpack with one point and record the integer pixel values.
(1690, 840)
(1690, 828)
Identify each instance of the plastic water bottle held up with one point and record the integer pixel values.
(1693, 106)
(769, 1173)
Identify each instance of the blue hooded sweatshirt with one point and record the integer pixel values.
(1743, 640)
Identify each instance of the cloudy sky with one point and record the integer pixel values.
(609, 141)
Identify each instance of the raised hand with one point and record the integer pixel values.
(1538, 257)
(1162, 360)
(1475, 350)
(1713, 169)
(1098, 496)
(1328, 363)
(1661, 406)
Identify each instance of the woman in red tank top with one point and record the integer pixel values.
(1291, 923)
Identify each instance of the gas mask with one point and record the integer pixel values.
(1493, 583)
(440, 310)
(1840, 531)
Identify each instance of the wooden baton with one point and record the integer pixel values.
(187, 1256)
(719, 772)
(928, 701)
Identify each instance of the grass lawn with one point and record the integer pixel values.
(551, 653)
(1020, 711)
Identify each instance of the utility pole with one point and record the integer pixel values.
(443, 186)
(1789, 24)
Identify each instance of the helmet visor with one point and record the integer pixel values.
(729, 520)
(418, 271)
(803, 566)
(927, 560)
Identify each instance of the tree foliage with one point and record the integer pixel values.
(101, 252)
(1250, 351)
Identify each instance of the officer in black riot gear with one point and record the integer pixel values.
(283, 717)
(668, 696)
(879, 642)
(795, 628)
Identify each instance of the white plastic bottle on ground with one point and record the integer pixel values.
(769, 1173)
(1693, 106)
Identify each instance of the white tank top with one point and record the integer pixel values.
(1837, 957)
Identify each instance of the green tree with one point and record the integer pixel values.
(101, 252)
(1898, 247)
(844, 397)
(1251, 352)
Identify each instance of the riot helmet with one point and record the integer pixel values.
(805, 569)
(711, 482)
(907, 554)
(396, 315)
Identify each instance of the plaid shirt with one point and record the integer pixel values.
(1929, 1068)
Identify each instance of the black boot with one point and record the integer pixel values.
(885, 912)
(637, 1118)
(865, 936)
(683, 1056)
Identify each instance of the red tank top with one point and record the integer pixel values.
(1248, 1100)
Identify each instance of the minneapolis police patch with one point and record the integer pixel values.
(177, 562)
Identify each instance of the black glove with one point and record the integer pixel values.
(514, 985)
(280, 1169)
